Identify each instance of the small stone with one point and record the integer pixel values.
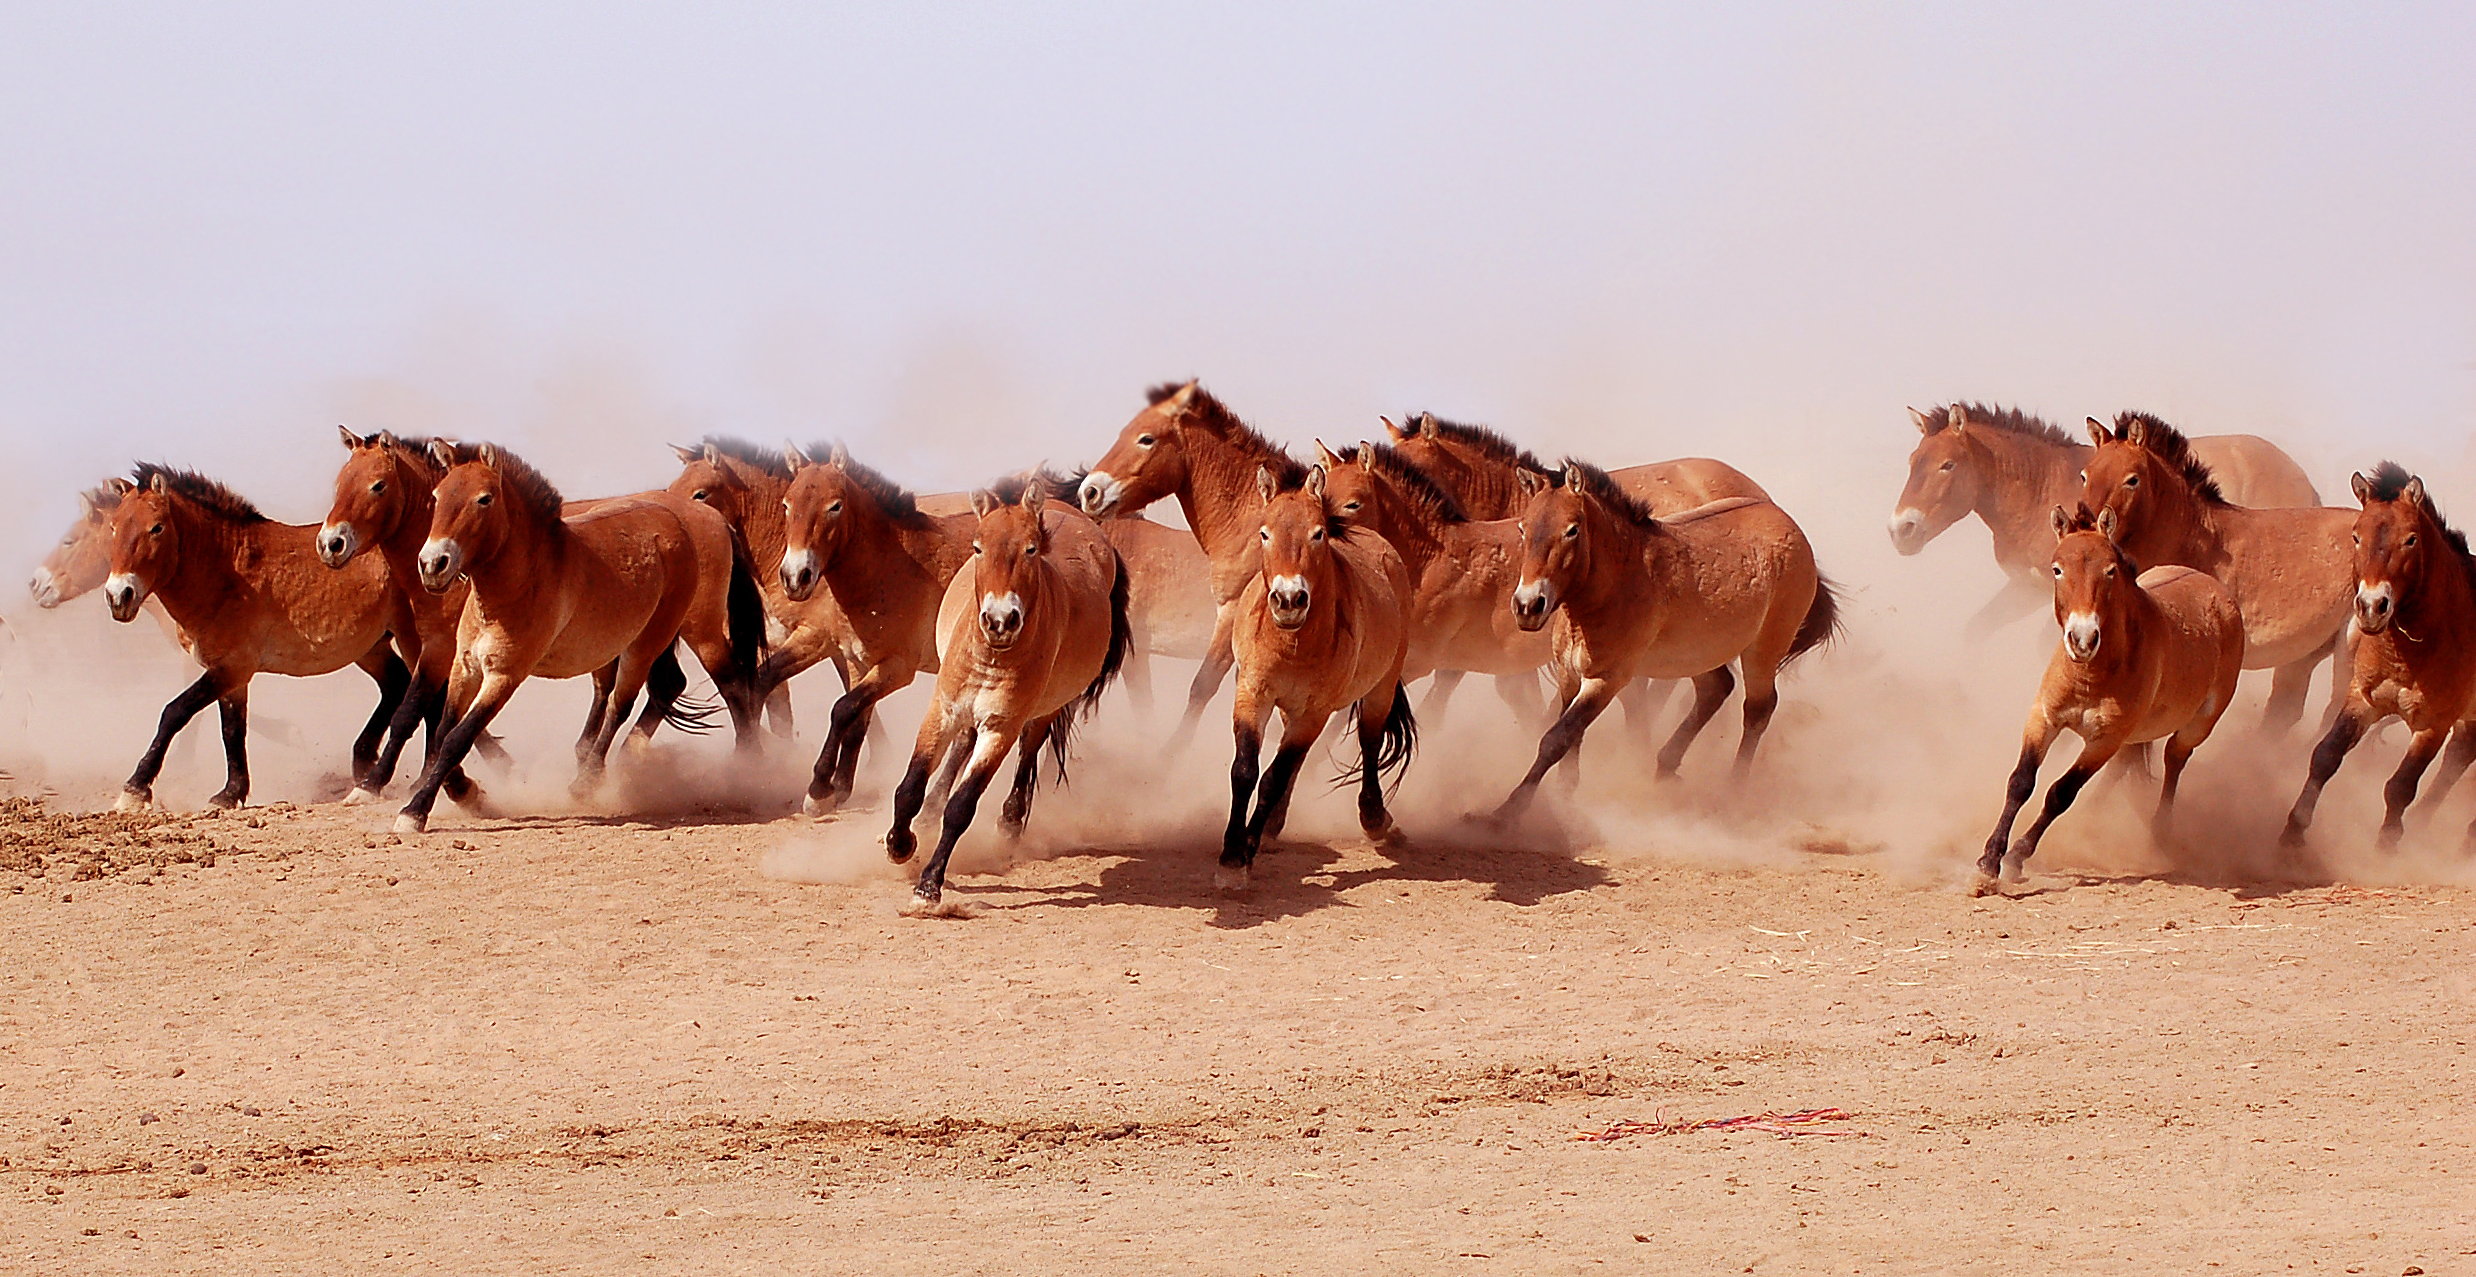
(197, 1168)
(177, 1071)
(249, 1110)
(90, 1232)
(148, 1119)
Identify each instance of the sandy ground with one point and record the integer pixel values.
(281, 1041)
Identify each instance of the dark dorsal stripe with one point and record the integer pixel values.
(200, 491)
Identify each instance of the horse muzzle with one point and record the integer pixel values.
(45, 588)
(1100, 493)
(799, 573)
(2081, 636)
(1286, 597)
(1908, 530)
(1001, 620)
(1532, 602)
(337, 543)
(440, 562)
(2376, 607)
(124, 594)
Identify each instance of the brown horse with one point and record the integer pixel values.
(1188, 445)
(2145, 656)
(604, 591)
(1462, 572)
(2291, 570)
(77, 565)
(2415, 611)
(1324, 624)
(886, 564)
(2010, 469)
(1482, 470)
(1169, 606)
(250, 598)
(1031, 634)
(1635, 596)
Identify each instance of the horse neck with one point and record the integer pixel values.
(210, 571)
(1618, 548)
(885, 549)
(2181, 529)
(401, 545)
(1416, 536)
(529, 557)
(1220, 498)
(2443, 604)
(2025, 478)
(1491, 489)
(762, 523)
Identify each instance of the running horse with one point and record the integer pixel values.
(1169, 606)
(748, 485)
(249, 598)
(1637, 595)
(1323, 625)
(1032, 632)
(2145, 656)
(864, 539)
(2010, 469)
(83, 557)
(2415, 613)
(2291, 570)
(556, 593)
(1188, 445)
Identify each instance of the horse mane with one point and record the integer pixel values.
(767, 460)
(2389, 482)
(1482, 440)
(1227, 425)
(2008, 420)
(1009, 488)
(414, 451)
(1414, 483)
(2169, 445)
(531, 488)
(199, 490)
(103, 496)
(894, 499)
(1595, 483)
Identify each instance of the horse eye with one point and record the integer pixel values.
(483, 499)
(1316, 535)
(786, 505)
(2132, 481)
(1949, 464)
(1266, 534)
(2084, 476)
(2058, 570)
(1030, 550)
(836, 508)
(975, 547)
(1143, 441)
(2411, 539)
(378, 487)
(700, 494)
(1572, 530)
(155, 531)
(1350, 506)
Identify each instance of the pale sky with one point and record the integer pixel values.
(965, 237)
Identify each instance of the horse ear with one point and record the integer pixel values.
(1366, 450)
(1531, 483)
(688, 456)
(2063, 521)
(155, 482)
(2413, 493)
(85, 504)
(351, 440)
(1035, 492)
(443, 451)
(1925, 424)
(1959, 419)
(2097, 432)
(1573, 475)
(488, 454)
(840, 457)
(1265, 485)
(383, 439)
(2361, 486)
(1324, 456)
(1177, 403)
(118, 486)
(2137, 434)
(1399, 435)
(2108, 522)
(794, 456)
(1315, 481)
(1427, 425)
(982, 502)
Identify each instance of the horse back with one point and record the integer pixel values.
(1675, 486)
(282, 611)
(2252, 471)
(2293, 574)
(1168, 586)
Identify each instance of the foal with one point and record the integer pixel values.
(2145, 655)
(1033, 632)
(249, 597)
(2414, 659)
(1323, 624)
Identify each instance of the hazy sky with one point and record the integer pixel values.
(965, 237)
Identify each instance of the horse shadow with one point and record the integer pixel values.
(1295, 878)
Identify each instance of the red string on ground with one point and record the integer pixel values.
(1783, 1125)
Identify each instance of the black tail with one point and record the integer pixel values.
(746, 608)
(666, 688)
(1399, 742)
(1121, 637)
(1822, 620)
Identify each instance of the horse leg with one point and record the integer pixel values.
(1643, 699)
(1440, 690)
(838, 763)
(2327, 756)
(988, 752)
(1027, 774)
(633, 672)
(665, 683)
(234, 707)
(1375, 712)
(595, 712)
(2178, 752)
(1219, 656)
(1280, 780)
(1589, 702)
(1237, 853)
(1136, 672)
(1762, 696)
(466, 726)
(2059, 799)
(139, 791)
(2288, 685)
(938, 733)
(387, 725)
(2455, 760)
(2033, 746)
(2402, 787)
(1710, 689)
(778, 711)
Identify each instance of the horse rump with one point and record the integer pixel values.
(1121, 641)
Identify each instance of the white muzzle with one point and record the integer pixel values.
(440, 562)
(2080, 636)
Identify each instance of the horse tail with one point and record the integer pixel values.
(745, 607)
(1822, 620)
(1393, 749)
(1121, 640)
(666, 683)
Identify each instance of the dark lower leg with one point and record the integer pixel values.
(176, 716)
(235, 710)
(2016, 793)
(2455, 760)
(2058, 800)
(1243, 768)
(2402, 787)
(1026, 775)
(389, 725)
(2177, 754)
(1558, 742)
(1710, 689)
(460, 736)
(1758, 709)
(959, 812)
(1439, 691)
(2327, 756)
(1274, 794)
(908, 796)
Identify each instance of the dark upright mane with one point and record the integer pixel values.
(2007, 420)
(764, 460)
(2389, 482)
(2169, 445)
(531, 488)
(1287, 470)
(1062, 486)
(1596, 484)
(1482, 440)
(414, 451)
(200, 490)
(1414, 483)
(893, 498)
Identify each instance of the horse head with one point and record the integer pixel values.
(470, 515)
(1009, 544)
(145, 543)
(2400, 538)
(83, 557)
(2093, 580)
(1943, 479)
(1556, 536)
(373, 493)
(1297, 538)
(1147, 462)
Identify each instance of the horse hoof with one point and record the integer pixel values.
(901, 851)
(937, 906)
(1388, 835)
(1986, 885)
(361, 796)
(408, 823)
(222, 802)
(815, 806)
(1230, 880)
(133, 802)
